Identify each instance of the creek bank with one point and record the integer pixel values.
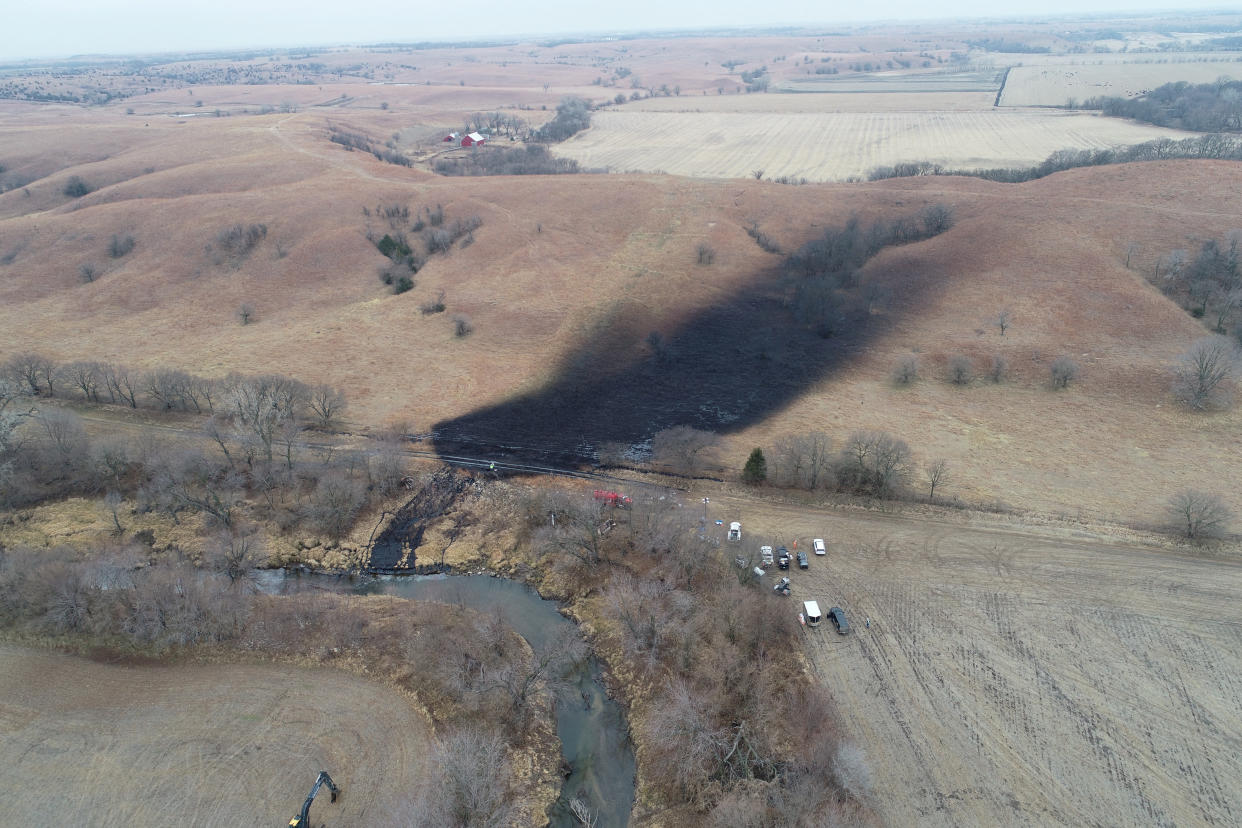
(594, 734)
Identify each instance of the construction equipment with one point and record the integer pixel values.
(300, 821)
(614, 499)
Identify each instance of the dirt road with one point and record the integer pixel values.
(87, 743)
(1020, 678)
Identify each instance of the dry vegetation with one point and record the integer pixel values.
(196, 254)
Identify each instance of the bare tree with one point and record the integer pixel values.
(245, 313)
(1203, 374)
(112, 501)
(1199, 514)
(936, 219)
(937, 473)
(88, 377)
(235, 553)
(998, 368)
(334, 506)
(1002, 320)
(65, 433)
(906, 370)
(26, 371)
(122, 384)
(326, 404)
(683, 449)
(1064, 371)
(961, 371)
(469, 784)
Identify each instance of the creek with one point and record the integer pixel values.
(593, 732)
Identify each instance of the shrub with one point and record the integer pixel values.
(998, 368)
(707, 254)
(462, 326)
(435, 305)
(245, 313)
(906, 370)
(1064, 371)
(76, 187)
(961, 372)
(394, 248)
(120, 246)
(403, 284)
(88, 272)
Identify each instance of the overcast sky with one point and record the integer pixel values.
(45, 28)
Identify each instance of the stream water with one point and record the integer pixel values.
(593, 732)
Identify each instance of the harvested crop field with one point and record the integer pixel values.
(1032, 677)
(1054, 84)
(93, 743)
(835, 147)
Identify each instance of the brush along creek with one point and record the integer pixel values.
(594, 735)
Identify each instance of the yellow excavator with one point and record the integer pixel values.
(300, 821)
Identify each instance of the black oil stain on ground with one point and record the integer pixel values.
(726, 368)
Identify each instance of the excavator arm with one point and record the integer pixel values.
(300, 821)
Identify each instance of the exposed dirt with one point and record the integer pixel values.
(94, 743)
(1024, 677)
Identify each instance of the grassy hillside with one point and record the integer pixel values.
(568, 277)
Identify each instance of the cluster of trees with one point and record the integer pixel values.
(233, 244)
(1209, 286)
(760, 748)
(1205, 146)
(573, 115)
(870, 463)
(497, 123)
(531, 159)
(824, 274)
(258, 464)
(429, 228)
(358, 141)
(1202, 107)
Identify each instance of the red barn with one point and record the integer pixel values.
(451, 137)
(474, 139)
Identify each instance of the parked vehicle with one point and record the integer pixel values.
(803, 563)
(735, 531)
(765, 554)
(811, 609)
(782, 587)
(782, 557)
(838, 619)
(820, 548)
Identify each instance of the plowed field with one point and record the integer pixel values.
(1012, 678)
(87, 743)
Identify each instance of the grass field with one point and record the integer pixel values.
(1023, 678)
(834, 147)
(107, 744)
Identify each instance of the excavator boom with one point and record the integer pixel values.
(300, 821)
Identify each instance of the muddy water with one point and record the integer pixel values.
(593, 732)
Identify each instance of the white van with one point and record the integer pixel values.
(820, 548)
(812, 613)
(735, 531)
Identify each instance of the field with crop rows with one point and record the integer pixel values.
(1052, 84)
(835, 147)
(1020, 679)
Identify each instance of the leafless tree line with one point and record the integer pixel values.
(169, 389)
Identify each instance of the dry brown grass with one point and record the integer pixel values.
(612, 253)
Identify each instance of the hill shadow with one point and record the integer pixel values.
(724, 368)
